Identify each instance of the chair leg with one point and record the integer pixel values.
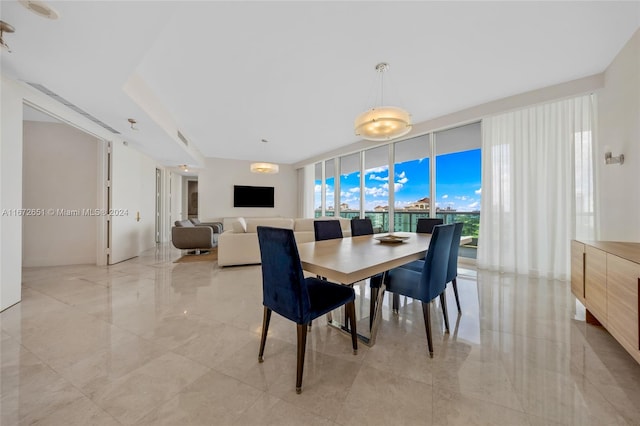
(329, 316)
(396, 303)
(266, 318)
(372, 305)
(455, 292)
(443, 302)
(426, 311)
(350, 310)
(302, 344)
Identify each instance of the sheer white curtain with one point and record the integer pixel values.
(537, 187)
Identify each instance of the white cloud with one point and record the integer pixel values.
(377, 170)
(462, 198)
(380, 178)
(317, 188)
(403, 180)
(396, 186)
(478, 191)
(473, 206)
(402, 175)
(354, 189)
(377, 191)
(445, 196)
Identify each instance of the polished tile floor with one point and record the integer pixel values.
(150, 341)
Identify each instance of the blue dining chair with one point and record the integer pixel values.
(452, 269)
(429, 283)
(361, 227)
(425, 225)
(327, 229)
(365, 227)
(286, 291)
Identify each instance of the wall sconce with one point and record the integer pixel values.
(610, 159)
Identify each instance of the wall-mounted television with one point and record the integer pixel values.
(253, 196)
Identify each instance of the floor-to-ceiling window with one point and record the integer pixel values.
(350, 185)
(458, 180)
(376, 187)
(317, 189)
(411, 183)
(417, 186)
(329, 184)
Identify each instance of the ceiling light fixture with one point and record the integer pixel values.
(184, 168)
(40, 8)
(383, 122)
(5, 28)
(264, 168)
(133, 123)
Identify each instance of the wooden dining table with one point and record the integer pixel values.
(353, 259)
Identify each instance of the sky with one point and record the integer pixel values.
(458, 185)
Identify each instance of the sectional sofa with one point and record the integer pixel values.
(238, 244)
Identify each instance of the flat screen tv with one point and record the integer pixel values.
(252, 196)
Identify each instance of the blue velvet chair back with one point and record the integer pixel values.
(283, 286)
(327, 229)
(452, 270)
(425, 225)
(361, 227)
(434, 273)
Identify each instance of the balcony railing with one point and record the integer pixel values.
(406, 221)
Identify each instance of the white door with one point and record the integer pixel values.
(132, 203)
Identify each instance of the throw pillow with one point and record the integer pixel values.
(240, 225)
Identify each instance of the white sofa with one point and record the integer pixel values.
(239, 244)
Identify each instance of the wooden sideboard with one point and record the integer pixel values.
(605, 277)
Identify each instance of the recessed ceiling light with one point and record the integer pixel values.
(40, 8)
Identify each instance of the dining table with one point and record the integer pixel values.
(353, 259)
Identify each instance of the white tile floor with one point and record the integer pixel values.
(150, 341)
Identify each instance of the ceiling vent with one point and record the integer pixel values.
(182, 138)
(65, 102)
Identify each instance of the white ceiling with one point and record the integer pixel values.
(228, 74)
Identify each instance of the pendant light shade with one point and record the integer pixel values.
(382, 123)
(268, 168)
(264, 168)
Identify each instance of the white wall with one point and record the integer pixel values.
(10, 194)
(618, 186)
(147, 204)
(215, 189)
(59, 172)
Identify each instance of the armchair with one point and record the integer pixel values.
(216, 226)
(186, 236)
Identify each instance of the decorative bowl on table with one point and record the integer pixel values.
(391, 239)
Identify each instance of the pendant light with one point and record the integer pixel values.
(382, 123)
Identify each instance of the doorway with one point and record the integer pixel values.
(192, 199)
(62, 184)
